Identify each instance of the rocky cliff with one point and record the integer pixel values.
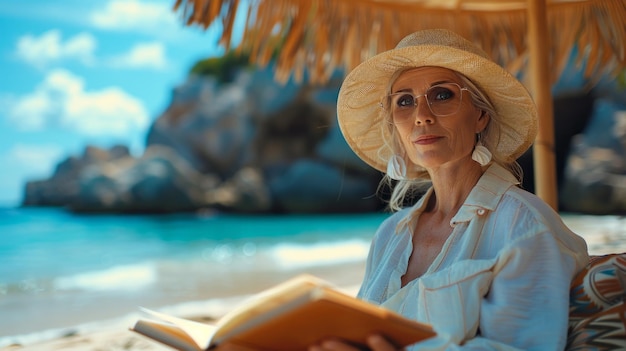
(242, 142)
(247, 144)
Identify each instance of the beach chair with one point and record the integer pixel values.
(598, 305)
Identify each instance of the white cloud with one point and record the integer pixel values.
(135, 15)
(49, 47)
(157, 19)
(144, 55)
(62, 101)
(35, 159)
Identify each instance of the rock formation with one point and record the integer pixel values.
(246, 143)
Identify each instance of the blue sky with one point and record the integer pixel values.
(76, 73)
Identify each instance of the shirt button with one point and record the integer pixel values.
(481, 211)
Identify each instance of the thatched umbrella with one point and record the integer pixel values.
(536, 37)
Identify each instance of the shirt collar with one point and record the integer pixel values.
(484, 197)
(486, 194)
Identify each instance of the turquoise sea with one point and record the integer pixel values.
(59, 270)
(61, 273)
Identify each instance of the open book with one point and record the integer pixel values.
(290, 316)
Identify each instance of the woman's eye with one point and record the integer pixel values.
(441, 94)
(406, 100)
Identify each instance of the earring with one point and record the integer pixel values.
(396, 168)
(481, 154)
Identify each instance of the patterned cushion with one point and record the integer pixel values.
(598, 305)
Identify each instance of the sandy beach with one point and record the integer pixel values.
(604, 235)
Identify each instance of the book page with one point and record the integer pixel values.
(200, 333)
(269, 300)
(166, 333)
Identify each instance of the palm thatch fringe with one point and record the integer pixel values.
(317, 36)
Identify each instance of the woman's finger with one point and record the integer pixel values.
(379, 343)
(333, 345)
(233, 347)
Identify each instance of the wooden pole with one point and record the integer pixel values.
(540, 87)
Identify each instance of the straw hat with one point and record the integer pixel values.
(360, 115)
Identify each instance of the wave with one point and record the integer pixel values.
(299, 256)
(123, 277)
(284, 256)
(210, 259)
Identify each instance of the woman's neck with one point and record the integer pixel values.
(451, 187)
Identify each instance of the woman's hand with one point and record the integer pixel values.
(374, 342)
(232, 347)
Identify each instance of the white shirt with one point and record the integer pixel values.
(501, 280)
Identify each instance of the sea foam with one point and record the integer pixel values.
(125, 277)
(323, 254)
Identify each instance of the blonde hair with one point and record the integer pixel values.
(408, 189)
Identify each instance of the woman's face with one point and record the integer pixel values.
(441, 135)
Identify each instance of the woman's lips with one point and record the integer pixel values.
(426, 139)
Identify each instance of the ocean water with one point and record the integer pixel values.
(62, 273)
(59, 270)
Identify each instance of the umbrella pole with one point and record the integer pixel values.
(544, 159)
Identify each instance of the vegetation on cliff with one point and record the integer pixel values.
(223, 68)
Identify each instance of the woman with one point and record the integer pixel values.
(486, 263)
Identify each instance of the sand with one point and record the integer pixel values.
(105, 340)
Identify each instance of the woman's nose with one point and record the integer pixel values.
(422, 113)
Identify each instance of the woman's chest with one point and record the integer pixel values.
(428, 242)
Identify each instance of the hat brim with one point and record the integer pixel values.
(360, 116)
